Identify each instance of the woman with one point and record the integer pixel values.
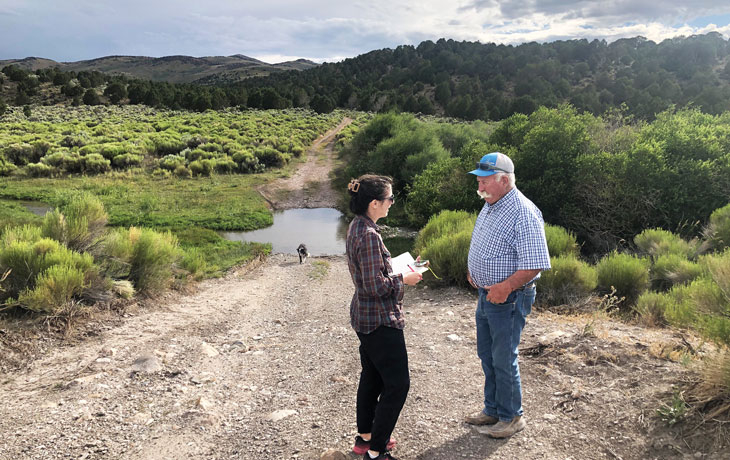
(376, 314)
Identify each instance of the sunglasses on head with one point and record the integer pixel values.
(488, 167)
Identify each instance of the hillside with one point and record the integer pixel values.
(173, 69)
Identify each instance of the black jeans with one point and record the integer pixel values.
(384, 383)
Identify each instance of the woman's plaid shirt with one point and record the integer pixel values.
(378, 294)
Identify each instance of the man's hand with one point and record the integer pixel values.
(468, 278)
(498, 293)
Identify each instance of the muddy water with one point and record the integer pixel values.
(322, 230)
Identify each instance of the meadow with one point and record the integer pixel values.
(137, 186)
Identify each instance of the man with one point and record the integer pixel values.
(507, 253)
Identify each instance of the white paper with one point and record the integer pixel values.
(405, 263)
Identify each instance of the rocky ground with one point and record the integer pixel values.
(262, 364)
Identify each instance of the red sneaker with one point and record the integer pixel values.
(362, 446)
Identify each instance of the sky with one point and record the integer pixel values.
(329, 31)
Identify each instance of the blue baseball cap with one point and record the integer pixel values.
(493, 163)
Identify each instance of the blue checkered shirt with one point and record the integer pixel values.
(508, 236)
(378, 293)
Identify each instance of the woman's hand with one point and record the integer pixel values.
(412, 278)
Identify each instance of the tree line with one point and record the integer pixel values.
(467, 80)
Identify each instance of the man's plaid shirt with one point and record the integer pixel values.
(508, 236)
(378, 294)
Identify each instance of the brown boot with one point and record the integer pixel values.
(480, 418)
(504, 429)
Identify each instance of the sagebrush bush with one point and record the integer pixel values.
(629, 275)
(670, 269)
(79, 224)
(657, 242)
(442, 224)
(568, 281)
(40, 170)
(23, 233)
(718, 230)
(27, 260)
(448, 255)
(651, 307)
(54, 289)
(560, 242)
(95, 163)
(152, 259)
(718, 267)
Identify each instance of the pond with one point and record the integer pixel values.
(322, 230)
(36, 207)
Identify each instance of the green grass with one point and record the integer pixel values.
(221, 202)
(219, 254)
(14, 213)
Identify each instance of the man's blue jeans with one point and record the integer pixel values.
(499, 327)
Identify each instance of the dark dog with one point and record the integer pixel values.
(303, 254)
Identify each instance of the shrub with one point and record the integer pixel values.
(109, 151)
(657, 242)
(168, 145)
(182, 172)
(568, 281)
(201, 168)
(40, 170)
(126, 160)
(6, 167)
(560, 241)
(444, 223)
(80, 223)
(27, 260)
(171, 162)
(445, 242)
(651, 307)
(53, 289)
(199, 154)
(670, 269)
(448, 255)
(225, 165)
(24, 233)
(73, 163)
(95, 163)
(247, 161)
(270, 157)
(152, 258)
(629, 275)
(718, 230)
(55, 158)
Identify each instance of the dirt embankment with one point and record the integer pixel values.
(262, 364)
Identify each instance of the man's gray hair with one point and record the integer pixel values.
(510, 177)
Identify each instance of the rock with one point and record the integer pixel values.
(338, 379)
(108, 351)
(454, 338)
(208, 350)
(280, 414)
(146, 364)
(548, 339)
(204, 403)
(140, 418)
(332, 454)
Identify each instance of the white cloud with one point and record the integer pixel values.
(323, 30)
